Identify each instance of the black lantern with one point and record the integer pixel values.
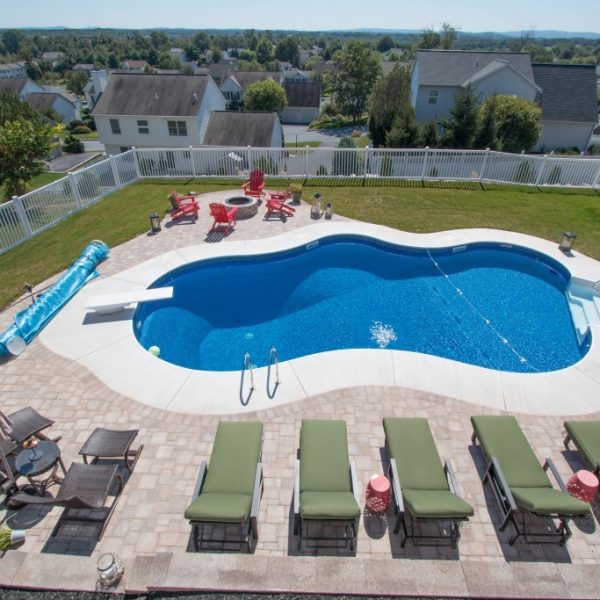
(155, 222)
(567, 242)
(329, 211)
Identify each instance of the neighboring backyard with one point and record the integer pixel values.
(124, 215)
(38, 181)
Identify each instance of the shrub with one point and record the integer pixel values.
(80, 129)
(356, 134)
(73, 145)
(554, 175)
(524, 173)
(266, 165)
(74, 123)
(387, 166)
(594, 149)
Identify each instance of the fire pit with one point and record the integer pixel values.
(246, 207)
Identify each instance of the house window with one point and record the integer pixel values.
(433, 96)
(143, 126)
(177, 128)
(115, 127)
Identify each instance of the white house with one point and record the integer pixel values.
(160, 111)
(234, 84)
(66, 108)
(242, 129)
(303, 102)
(295, 75)
(440, 75)
(22, 86)
(12, 70)
(95, 87)
(569, 105)
(178, 53)
(83, 68)
(53, 57)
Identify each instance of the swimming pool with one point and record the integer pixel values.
(485, 304)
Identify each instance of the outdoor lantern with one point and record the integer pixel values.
(328, 211)
(155, 222)
(315, 211)
(567, 242)
(110, 570)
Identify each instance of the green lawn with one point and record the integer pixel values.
(361, 141)
(38, 181)
(303, 144)
(93, 135)
(124, 215)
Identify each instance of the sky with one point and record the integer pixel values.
(465, 15)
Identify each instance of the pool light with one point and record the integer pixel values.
(566, 244)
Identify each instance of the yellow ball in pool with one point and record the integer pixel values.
(154, 350)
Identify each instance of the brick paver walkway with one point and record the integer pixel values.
(148, 521)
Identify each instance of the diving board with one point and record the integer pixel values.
(112, 303)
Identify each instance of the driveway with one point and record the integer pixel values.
(329, 138)
(67, 162)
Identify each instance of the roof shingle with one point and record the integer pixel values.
(303, 93)
(228, 128)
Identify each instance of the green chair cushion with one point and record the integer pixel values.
(548, 501)
(220, 508)
(328, 505)
(235, 455)
(436, 504)
(502, 438)
(411, 444)
(324, 461)
(587, 437)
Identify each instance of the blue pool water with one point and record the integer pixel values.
(488, 305)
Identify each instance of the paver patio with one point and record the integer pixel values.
(149, 532)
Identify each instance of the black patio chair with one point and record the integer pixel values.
(24, 423)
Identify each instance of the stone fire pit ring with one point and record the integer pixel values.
(246, 207)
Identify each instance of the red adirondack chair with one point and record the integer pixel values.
(222, 216)
(254, 186)
(278, 206)
(183, 206)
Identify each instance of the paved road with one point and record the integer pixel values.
(329, 138)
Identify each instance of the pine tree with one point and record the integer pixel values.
(461, 127)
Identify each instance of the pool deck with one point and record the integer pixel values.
(148, 530)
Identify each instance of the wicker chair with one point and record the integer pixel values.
(24, 423)
(111, 444)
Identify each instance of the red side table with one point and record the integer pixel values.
(583, 485)
(279, 195)
(378, 494)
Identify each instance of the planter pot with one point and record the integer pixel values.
(296, 196)
(17, 536)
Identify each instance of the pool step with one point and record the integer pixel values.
(585, 308)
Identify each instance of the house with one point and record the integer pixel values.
(178, 53)
(95, 87)
(440, 75)
(324, 67)
(21, 86)
(234, 84)
(219, 70)
(44, 102)
(161, 111)
(569, 105)
(134, 66)
(83, 68)
(284, 65)
(303, 102)
(242, 129)
(295, 75)
(13, 70)
(53, 57)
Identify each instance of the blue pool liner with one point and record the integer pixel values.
(29, 322)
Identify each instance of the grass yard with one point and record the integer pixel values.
(313, 144)
(39, 181)
(124, 215)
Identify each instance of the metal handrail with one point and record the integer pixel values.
(274, 358)
(248, 367)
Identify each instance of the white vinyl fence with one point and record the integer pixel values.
(26, 216)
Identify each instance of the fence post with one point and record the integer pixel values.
(115, 172)
(484, 165)
(424, 169)
(597, 177)
(191, 149)
(542, 170)
(136, 163)
(74, 190)
(306, 161)
(22, 214)
(367, 161)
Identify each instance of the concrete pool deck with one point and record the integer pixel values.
(148, 530)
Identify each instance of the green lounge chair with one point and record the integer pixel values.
(519, 482)
(422, 486)
(325, 484)
(228, 492)
(586, 437)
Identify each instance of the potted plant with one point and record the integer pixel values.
(296, 190)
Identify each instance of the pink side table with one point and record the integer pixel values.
(583, 485)
(378, 494)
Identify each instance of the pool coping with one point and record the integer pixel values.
(106, 345)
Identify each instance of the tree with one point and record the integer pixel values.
(385, 43)
(429, 39)
(287, 49)
(518, 122)
(429, 134)
(461, 127)
(487, 134)
(14, 109)
(390, 95)
(346, 163)
(75, 82)
(265, 95)
(23, 145)
(12, 40)
(264, 50)
(404, 132)
(447, 36)
(358, 70)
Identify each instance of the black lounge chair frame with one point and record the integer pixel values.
(594, 468)
(8, 473)
(410, 526)
(111, 444)
(510, 511)
(248, 530)
(302, 526)
(25, 423)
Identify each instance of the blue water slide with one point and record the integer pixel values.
(29, 322)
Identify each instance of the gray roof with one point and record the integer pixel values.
(303, 93)
(229, 128)
(454, 67)
(13, 84)
(569, 92)
(41, 100)
(246, 78)
(153, 95)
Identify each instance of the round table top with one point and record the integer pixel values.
(30, 464)
(379, 483)
(587, 478)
